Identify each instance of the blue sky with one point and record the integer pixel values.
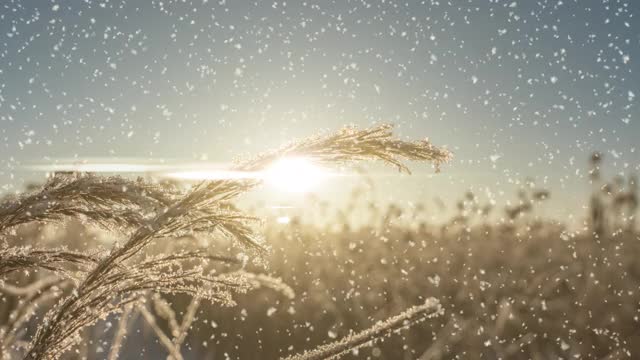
(514, 88)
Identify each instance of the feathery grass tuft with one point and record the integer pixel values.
(114, 281)
(110, 202)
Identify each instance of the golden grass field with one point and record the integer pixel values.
(499, 283)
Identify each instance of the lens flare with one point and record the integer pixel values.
(294, 175)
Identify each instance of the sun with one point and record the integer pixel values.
(294, 174)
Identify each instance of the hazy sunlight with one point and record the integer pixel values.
(294, 174)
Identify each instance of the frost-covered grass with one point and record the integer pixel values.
(123, 278)
(521, 289)
(518, 287)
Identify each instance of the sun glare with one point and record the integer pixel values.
(294, 175)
